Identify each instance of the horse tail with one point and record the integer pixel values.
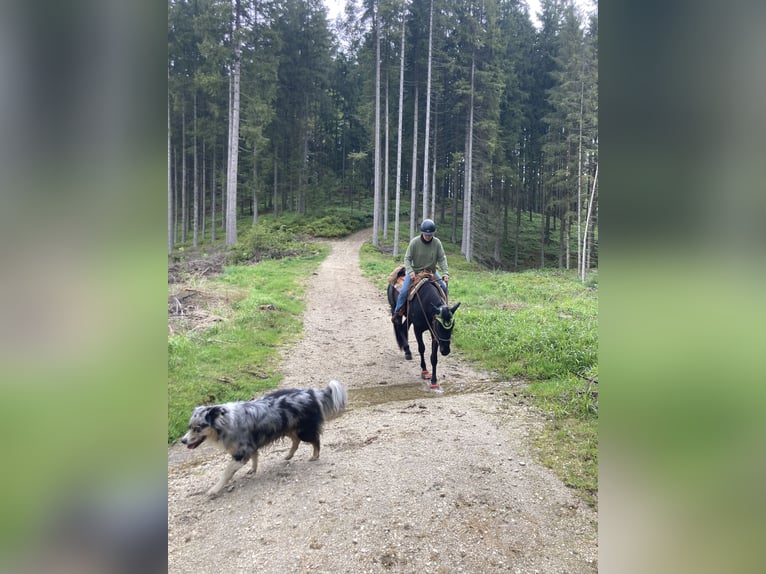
(400, 328)
(400, 332)
(392, 296)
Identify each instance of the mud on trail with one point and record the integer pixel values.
(407, 481)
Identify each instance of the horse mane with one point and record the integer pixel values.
(423, 278)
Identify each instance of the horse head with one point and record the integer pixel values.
(444, 322)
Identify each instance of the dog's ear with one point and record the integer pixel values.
(214, 413)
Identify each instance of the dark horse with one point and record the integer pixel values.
(428, 311)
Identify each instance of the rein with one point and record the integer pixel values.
(431, 327)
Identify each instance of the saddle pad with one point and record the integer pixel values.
(414, 289)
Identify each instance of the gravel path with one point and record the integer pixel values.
(408, 481)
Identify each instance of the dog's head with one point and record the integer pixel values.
(203, 424)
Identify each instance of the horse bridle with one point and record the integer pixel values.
(431, 327)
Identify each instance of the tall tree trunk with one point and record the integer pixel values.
(414, 175)
(454, 183)
(569, 241)
(170, 183)
(561, 239)
(445, 187)
(213, 194)
(583, 267)
(184, 210)
(433, 164)
(498, 223)
(385, 171)
(399, 136)
(543, 221)
(175, 194)
(304, 173)
(517, 232)
(376, 208)
(467, 244)
(579, 170)
(276, 192)
(428, 113)
(202, 193)
(231, 176)
(255, 182)
(224, 188)
(195, 214)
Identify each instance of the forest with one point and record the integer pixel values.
(464, 111)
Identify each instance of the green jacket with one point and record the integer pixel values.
(421, 255)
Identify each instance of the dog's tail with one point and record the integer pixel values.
(333, 400)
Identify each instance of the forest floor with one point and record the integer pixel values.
(407, 481)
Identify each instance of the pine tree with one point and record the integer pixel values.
(233, 147)
(426, 137)
(376, 208)
(399, 131)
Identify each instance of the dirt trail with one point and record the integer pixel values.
(408, 481)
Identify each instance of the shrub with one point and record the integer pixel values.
(268, 241)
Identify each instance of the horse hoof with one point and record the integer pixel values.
(436, 389)
(425, 375)
(408, 356)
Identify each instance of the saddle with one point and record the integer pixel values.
(396, 278)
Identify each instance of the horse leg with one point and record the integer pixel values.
(424, 374)
(434, 359)
(404, 330)
(401, 332)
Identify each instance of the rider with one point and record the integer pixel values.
(424, 253)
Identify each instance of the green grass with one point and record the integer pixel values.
(570, 447)
(239, 357)
(539, 326)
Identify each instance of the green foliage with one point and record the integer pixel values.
(570, 447)
(239, 357)
(339, 223)
(269, 240)
(307, 109)
(537, 324)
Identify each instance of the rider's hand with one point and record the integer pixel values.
(413, 275)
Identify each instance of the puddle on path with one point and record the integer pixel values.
(368, 397)
(371, 396)
(381, 394)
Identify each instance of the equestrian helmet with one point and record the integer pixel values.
(428, 227)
